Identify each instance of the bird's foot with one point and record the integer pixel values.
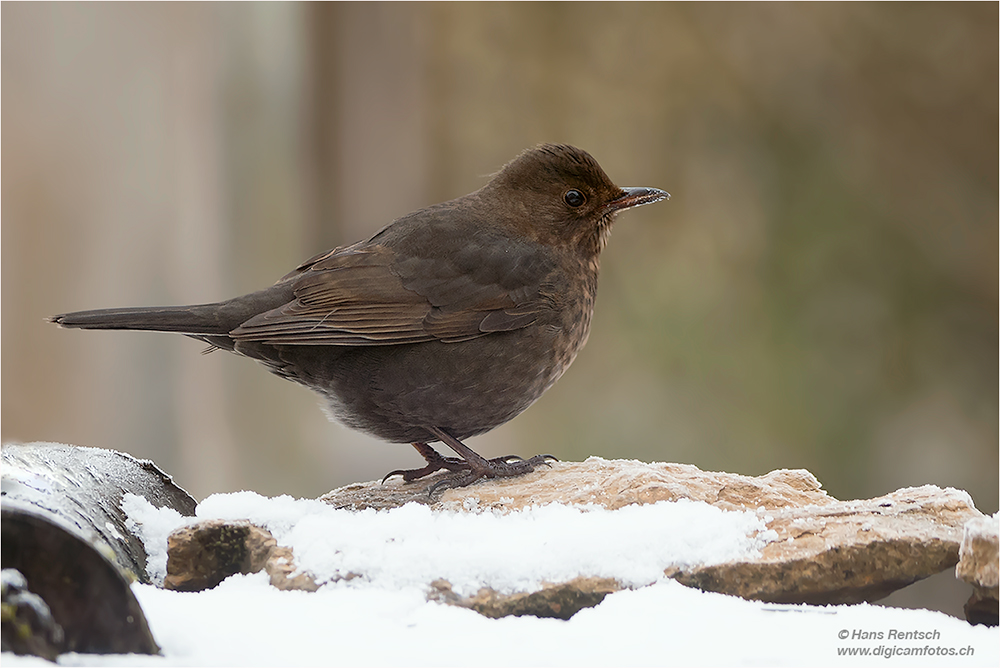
(480, 467)
(508, 465)
(435, 462)
(500, 467)
(469, 468)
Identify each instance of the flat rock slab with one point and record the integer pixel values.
(609, 483)
(826, 552)
(847, 551)
(823, 551)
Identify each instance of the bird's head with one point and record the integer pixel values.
(558, 194)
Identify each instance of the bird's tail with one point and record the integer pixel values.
(198, 320)
(202, 319)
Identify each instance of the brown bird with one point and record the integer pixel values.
(445, 324)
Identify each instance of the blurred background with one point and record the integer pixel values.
(820, 292)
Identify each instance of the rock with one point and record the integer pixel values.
(977, 564)
(561, 601)
(609, 483)
(202, 555)
(847, 551)
(824, 551)
(281, 568)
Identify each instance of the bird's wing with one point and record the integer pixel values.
(369, 295)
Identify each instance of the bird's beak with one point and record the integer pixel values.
(633, 197)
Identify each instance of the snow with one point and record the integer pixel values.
(152, 528)
(513, 551)
(383, 618)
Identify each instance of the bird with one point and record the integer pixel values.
(446, 323)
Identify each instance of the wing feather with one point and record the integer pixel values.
(366, 295)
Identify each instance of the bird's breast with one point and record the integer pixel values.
(570, 320)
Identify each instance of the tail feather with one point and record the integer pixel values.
(208, 322)
(201, 319)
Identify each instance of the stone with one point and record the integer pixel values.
(281, 568)
(824, 551)
(846, 551)
(978, 565)
(202, 555)
(609, 483)
(561, 600)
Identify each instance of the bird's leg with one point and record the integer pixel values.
(480, 467)
(435, 462)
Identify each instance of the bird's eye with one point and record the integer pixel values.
(574, 198)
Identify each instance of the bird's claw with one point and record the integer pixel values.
(508, 466)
